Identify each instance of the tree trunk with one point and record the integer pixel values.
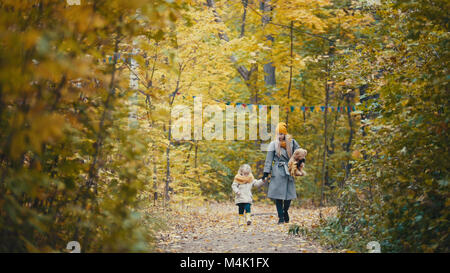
(244, 15)
(349, 143)
(93, 170)
(166, 189)
(155, 182)
(245, 74)
(290, 74)
(169, 136)
(195, 161)
(325, 146)
(269, 69)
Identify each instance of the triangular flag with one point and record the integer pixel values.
(303, 108)
(292, 108)
(312, 108)
(322, 108)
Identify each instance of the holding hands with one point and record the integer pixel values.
(265, 177)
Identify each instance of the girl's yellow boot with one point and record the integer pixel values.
(248, 219)
(241, 220)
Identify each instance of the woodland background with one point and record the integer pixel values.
(86, 157)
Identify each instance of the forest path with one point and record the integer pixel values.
(213, 227)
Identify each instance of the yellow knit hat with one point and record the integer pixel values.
(281, 128)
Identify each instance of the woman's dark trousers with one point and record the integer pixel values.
(282, 209)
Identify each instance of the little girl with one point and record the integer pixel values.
(242, 186)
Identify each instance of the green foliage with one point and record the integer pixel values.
(295, 229)
(398, 190)
(75, 164)
(70, 166)
(333, 233)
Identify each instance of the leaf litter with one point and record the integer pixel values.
(213, 227)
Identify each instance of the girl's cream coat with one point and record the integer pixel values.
(244, 191)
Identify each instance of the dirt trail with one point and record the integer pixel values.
(213, 228)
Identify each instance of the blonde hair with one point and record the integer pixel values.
(245, 168)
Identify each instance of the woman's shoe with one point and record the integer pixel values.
(280, 221)
(286, 216)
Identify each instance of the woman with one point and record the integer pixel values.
(281, 186)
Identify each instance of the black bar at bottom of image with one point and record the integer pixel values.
(223, 262)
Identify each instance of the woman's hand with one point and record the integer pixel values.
(265, 176)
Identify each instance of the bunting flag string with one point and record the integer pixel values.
(291, 108)
(125, 57)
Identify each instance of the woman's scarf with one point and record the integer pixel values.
(241, 179)
(286, 143)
